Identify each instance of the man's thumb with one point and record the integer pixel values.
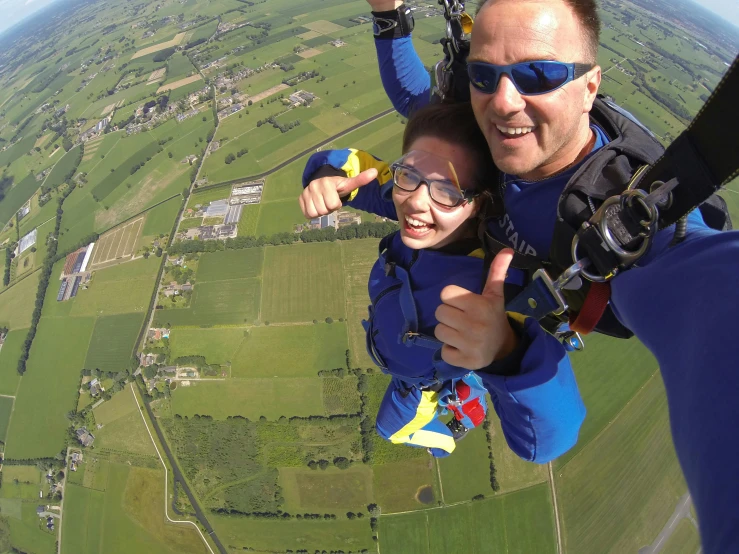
(496, 276)
(364, 178)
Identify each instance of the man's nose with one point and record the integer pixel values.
(506, 99)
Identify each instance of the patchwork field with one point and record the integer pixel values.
(524, 524)
(6, 408)
(218, 345)
(10, 353)
(181, 83)
(161, 46)
(117, 245)
(252, 398)
(16, 303)
(291, 351)
(332, 490)
(230, 264)
(303, 283)
(113, 340)
(466, 473)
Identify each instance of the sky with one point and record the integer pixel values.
(15, 10)
(728, 9)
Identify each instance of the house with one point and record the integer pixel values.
(95, 388)
(85, 437)
(330, 220)
(40, 510)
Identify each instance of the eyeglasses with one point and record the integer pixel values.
(529, 78)
(445, 192)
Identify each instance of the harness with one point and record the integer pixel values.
(613, 206)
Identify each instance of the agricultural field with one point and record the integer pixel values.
(6, 409)
(230, 264)
(9, 356)
(16, 303)
(467, 472)
(302, 283)
(113, 340)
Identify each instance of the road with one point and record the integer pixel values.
(179, 478)
(681, 511)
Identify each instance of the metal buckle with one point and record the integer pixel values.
(606, 218)
(553, 289)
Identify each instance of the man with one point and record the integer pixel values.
(680, 301)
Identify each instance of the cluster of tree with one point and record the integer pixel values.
(163, 55)
(340, 462)
(229, 158)
(302, 76)
(6, 181)
(242, 152)
(666, 100)
(366, 421)
(340, 372)
(181, 274)
(493, 478)
(279, 514)
(8, 260)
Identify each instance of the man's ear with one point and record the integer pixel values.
(592, 83)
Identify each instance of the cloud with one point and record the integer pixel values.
(28, 2)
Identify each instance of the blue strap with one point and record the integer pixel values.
(536, 301)
(407, 302)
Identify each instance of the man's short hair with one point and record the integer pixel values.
(586, 12)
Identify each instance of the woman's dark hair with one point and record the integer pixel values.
(456, 124)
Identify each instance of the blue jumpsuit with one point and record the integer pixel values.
(533, 391)
(680, 301)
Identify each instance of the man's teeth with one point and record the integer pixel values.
(514, 130)
(415, 223)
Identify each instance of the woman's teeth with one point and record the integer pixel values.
(514, 130)
(416, 224)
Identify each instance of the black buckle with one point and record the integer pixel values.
(389, 269)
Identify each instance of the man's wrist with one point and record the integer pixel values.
(393, 23)
(386, 5)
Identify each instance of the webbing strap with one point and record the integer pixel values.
(704, 156)
(593, 308)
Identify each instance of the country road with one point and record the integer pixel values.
(681, 511)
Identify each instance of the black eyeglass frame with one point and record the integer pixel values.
(574, 71)
(464, 195)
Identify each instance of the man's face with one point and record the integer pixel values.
(532, 136)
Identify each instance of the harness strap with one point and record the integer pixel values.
(592, 309)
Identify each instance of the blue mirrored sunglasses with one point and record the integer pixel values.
(529, 78)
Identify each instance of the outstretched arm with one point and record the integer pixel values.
(333, 178)
(682, 304)
(404, 77)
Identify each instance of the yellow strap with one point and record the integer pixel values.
(359, 161)
(425, 413)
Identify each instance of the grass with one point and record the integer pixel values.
(249, 220)
(62, 168)
(128, 517)
(123, 429)
(397, 483)
(279, 217)
(619, 490)
(190, 223)
(48, 389)
(520, 522)
(340, 395)
(113, 341)
(266, 535)
(230, 264)
(119, 289)
(123, 170)
(216, 303)
(205, 197)
(217, 345)
(6, 408)
(511, 472)
(9, 356)
(16, 197)
(160, 219)
(466, 472)
(26, 534)
(16, 303)
(118, 406)
(250, 398)
(333, 490)
(291, 351)
(684, 539)
(358, 257)
(302, 282)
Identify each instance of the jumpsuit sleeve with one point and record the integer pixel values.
(539, 404)
(682, 304)
(404, 77)
(375, 197)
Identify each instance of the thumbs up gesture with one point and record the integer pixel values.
(474, 327)
(323, 196)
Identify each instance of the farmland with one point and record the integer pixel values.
(9, 355)
(113, 340)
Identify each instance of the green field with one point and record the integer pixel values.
(123, 428)
(396, 484)
(6, 408)
(48, 388)
(466, 472)
(252, 398)
(26, 533)
(160, 220)
(291, 351)
(332, 490)
(126, 518)
(62, 168)
(684, 540)
(113, 341)
(230, 264)
(205, 197)
(340, 395)
(218, 345)
(302, 283)
(358, 257)
(512, 473)
(216, 303)
(520, 522)
(279, 217)
(9, 356)
(249, 220)
(617, 493)
(120, 289)
(16, 303)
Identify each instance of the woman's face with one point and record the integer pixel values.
(423, 222)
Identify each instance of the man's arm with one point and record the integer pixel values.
(682, 304)
(404, 77)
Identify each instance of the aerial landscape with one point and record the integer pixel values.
(182, 359)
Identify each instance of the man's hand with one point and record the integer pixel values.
(474, 327)
(323, 196)
(383, 5)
